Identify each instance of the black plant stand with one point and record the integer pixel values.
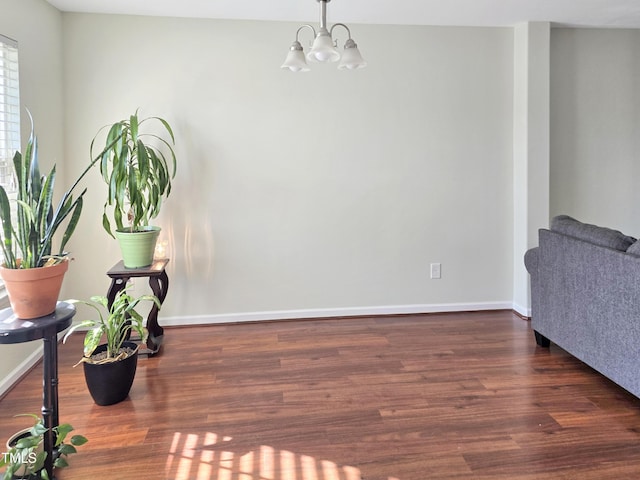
(16, 330)
(159, 283)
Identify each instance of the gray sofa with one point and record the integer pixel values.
(585, 297)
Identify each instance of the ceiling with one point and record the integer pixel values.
(579, 13)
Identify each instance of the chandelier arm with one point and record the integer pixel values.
(305, 26)
(340, 25)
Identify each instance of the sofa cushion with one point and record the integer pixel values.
(602, 236)
(634, 248)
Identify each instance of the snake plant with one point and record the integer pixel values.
(27, 243)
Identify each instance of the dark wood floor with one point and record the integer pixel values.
(443, 396)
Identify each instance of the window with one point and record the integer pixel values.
(9, 123)
(9, 111)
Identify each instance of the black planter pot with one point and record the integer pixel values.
(110, 383)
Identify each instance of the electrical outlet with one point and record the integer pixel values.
(435, 270)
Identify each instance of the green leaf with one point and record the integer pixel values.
(66, 449)
(28, 442)
(143, 160)
(39, 428)
(39, 463)
(7, 230)
(133, 123)
(73, 222)
(101, 300)
(60, 462)
(62, 431)
(78, 440)
(106, 225)
(83, 324)
(92, 340)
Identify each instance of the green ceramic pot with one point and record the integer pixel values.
(138, 247)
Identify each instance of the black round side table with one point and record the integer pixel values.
(16, 330)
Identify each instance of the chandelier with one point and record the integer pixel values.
(324, 49)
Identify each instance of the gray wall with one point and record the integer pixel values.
(328, 192)
(595, 126)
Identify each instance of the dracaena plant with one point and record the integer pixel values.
(113, 322)
(138, 168)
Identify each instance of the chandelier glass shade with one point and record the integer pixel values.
(323, 49)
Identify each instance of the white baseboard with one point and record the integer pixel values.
(524, 311)
(27, 364)
(7, 382)
(330, 312)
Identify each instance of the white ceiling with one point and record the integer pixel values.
(584, 13)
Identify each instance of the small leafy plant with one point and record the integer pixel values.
(26, 458)
(115, 323)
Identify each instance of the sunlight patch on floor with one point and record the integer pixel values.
(211, 456)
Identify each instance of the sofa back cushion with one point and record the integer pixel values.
(602, 236)
(634, 249)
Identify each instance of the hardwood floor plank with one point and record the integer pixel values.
(453, 396)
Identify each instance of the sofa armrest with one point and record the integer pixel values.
(531, 260)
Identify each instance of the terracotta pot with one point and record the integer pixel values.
(33, 292)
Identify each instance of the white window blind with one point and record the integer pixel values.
(9, 122)
(9, 111)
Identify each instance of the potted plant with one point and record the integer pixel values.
(138, 168)
(33, 270)
(25, 456)
(110, 368)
